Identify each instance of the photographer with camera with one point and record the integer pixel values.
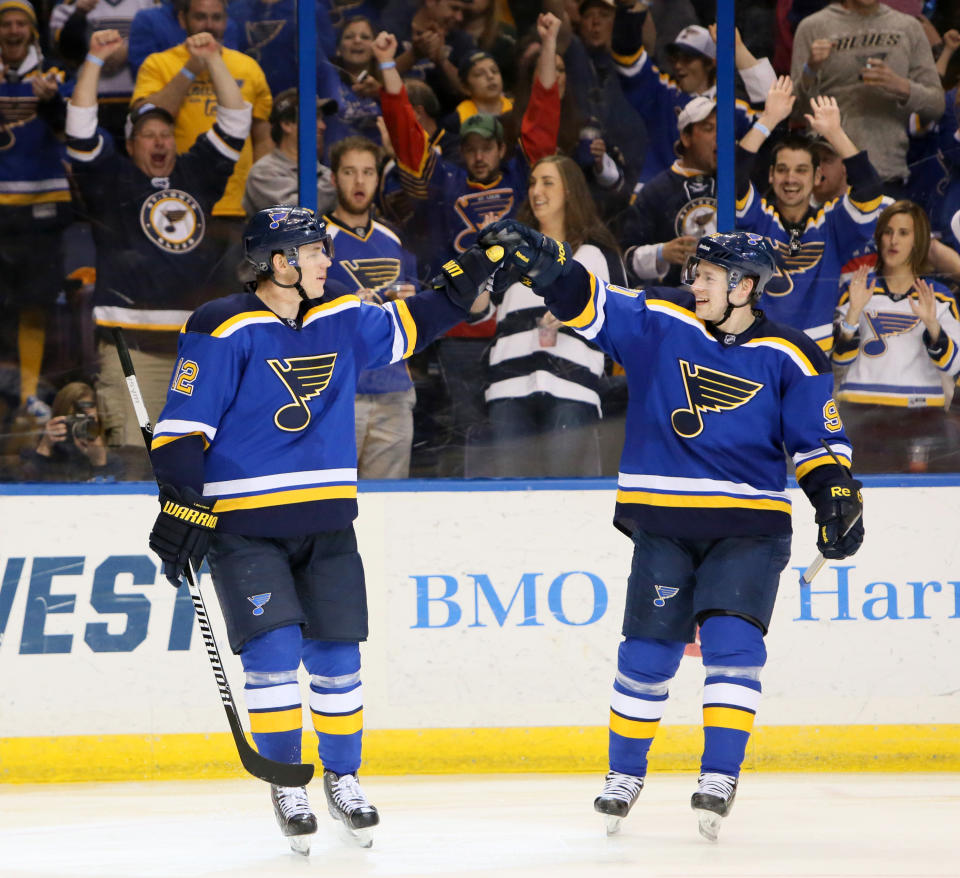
(71, 447)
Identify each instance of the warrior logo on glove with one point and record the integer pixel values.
(190, 514)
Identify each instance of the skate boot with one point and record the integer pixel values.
(296, 820)
(712, 801)
(616, 799)
(348, 804)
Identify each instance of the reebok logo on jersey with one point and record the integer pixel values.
(304, 378)
(708, 390)
(664, 593)
(258, 600)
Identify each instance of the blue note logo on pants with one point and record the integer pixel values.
(258, 600)
(664, 593)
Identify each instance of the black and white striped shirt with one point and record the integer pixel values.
(519, 366)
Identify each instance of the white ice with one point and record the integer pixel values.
(504, 825)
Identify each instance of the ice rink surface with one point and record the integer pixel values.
(498, 825)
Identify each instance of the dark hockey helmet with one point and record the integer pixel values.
(742, 254)
(282, 230)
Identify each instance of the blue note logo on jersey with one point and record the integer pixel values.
(258, 601)
(793, 257)
(884, 323)
(304, 378)
(373, 273)
(259, 33)
(476, 209)
(664, 593)
(708, 390)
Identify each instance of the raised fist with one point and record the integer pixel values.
(104, 43)
(202, 47)
(384, 47)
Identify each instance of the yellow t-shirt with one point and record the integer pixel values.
(198, 111)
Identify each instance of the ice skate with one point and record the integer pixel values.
(296, 820)
(348, 804)
(616, 799)
(712, 801)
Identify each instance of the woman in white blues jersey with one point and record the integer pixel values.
(896, 339)
(256, 456)
(717, 392)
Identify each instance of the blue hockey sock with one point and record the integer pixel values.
(644, 670)
(336, 702)
(733, 656)
(272, 694)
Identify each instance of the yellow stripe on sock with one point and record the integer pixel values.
(728, 718)
(633, 728)
(338, 725)
(276, 720)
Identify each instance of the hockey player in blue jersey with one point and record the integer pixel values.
(255, 455)
(717, 392)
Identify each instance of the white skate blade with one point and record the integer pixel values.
(361, 837)
(612, 823)
(709, 824)
(300, 844)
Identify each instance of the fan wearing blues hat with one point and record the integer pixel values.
(658, 97)
(491, 184)
(678, 206)
(274, 179)
(150, 216)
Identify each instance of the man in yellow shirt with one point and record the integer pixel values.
(174, 81)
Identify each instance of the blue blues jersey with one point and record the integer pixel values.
(468, 205)
(34, 192)
(268, 34)
(709, 415)
(260, 413)
(811, 254)
(372, 258)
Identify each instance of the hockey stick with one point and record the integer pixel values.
(817, 563)
(281, 774)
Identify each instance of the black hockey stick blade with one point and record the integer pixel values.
(281, 774)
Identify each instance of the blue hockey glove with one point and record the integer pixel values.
(464, 278)
(839, 515)
(182, 530)
(541, 260)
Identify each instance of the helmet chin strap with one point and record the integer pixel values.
(297, 284)
(728, 312)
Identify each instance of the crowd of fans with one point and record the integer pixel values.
(136, 137)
